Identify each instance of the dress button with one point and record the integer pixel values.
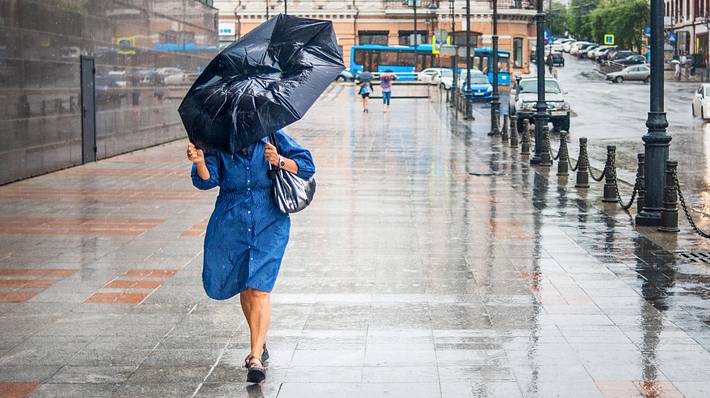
(249, 212)
(249, 230)
(248, 181)
(251, 259)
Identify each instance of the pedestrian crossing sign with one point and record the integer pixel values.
(609, 40)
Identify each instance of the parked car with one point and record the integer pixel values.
(523, 102)
(558, 59)
(701, 102)
(635, 59)
(576, 46)
(602, 54)
(635, 72)
(480, 88)
(584, 52)
(345, 76)
(567, 47)
(619, 55)
(180, 78)
(429, 75)
(446, 80)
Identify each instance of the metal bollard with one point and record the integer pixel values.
(641, 183)
(513, 131)
(611, 195)
(504, 130)
(525, 138)
(545, 157)
(583, 165)
(563, 162)
(669, 213)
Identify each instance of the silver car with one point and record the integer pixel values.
(635, 72)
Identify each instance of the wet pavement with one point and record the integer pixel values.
(434, 263)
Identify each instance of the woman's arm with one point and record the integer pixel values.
(297, 159)
(273, 157)
(205, 168)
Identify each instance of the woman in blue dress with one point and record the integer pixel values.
(247, 233)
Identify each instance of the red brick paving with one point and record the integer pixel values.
(116, 298)
(28, 278)
(16, 390)
(94, 226)
(130, 281)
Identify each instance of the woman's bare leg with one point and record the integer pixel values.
(258, 314)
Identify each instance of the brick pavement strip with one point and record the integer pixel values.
(434, 262)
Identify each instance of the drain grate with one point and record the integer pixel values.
(694, 256)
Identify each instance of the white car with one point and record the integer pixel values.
(429, 75)
(701, 102)
(576, 46)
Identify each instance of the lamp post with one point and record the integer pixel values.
(286, 7)
(541, 114)
(495, 103)
(469, 112)
(416, 37)
(656, 141)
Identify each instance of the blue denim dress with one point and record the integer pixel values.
(247, 234)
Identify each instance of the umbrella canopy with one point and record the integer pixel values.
(264, 81)
(365, 76)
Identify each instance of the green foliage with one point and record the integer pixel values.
(558, 19)
(625, 19)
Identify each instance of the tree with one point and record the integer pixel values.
(578, 18)
(558, 19)
(625, 19)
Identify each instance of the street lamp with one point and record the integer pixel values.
(656, 141)
(495, 103)
(469, 111)
(541, 114)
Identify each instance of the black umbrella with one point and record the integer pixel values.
(264, 81)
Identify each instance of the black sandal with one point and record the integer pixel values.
(256, 372)
(264, 358)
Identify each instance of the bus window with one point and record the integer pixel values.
(360, 56)
(503, 64)
(484, 65)
(406, 58)
(388, 58)
(477, 62)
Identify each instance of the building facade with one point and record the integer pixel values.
(391, 22)
(87, 79)
(689, 21)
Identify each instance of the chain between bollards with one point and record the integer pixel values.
(684, 206)
(589, 168)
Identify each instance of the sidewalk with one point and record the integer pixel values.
(407, 277)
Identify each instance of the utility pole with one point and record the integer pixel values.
(267, 9)
(286, 7)
(656, 141)
(466, 92)
(416, 38)
(495, 103)
(541, 114)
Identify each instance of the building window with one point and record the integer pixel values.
(517, 52)
(460, 38)
(373, 37)
(406, 37)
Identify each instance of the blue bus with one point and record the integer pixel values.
(483, 61)
(398, 59)
(402, 60)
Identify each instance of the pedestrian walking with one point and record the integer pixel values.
(550, 63)
(386, 80)
(247, 233)
(364, 91)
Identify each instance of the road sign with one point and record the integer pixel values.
(609, 39)
(671, 37)
(647, 31)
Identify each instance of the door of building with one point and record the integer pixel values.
(88, 110)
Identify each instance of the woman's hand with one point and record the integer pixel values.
(271, 155)
(195, 155)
